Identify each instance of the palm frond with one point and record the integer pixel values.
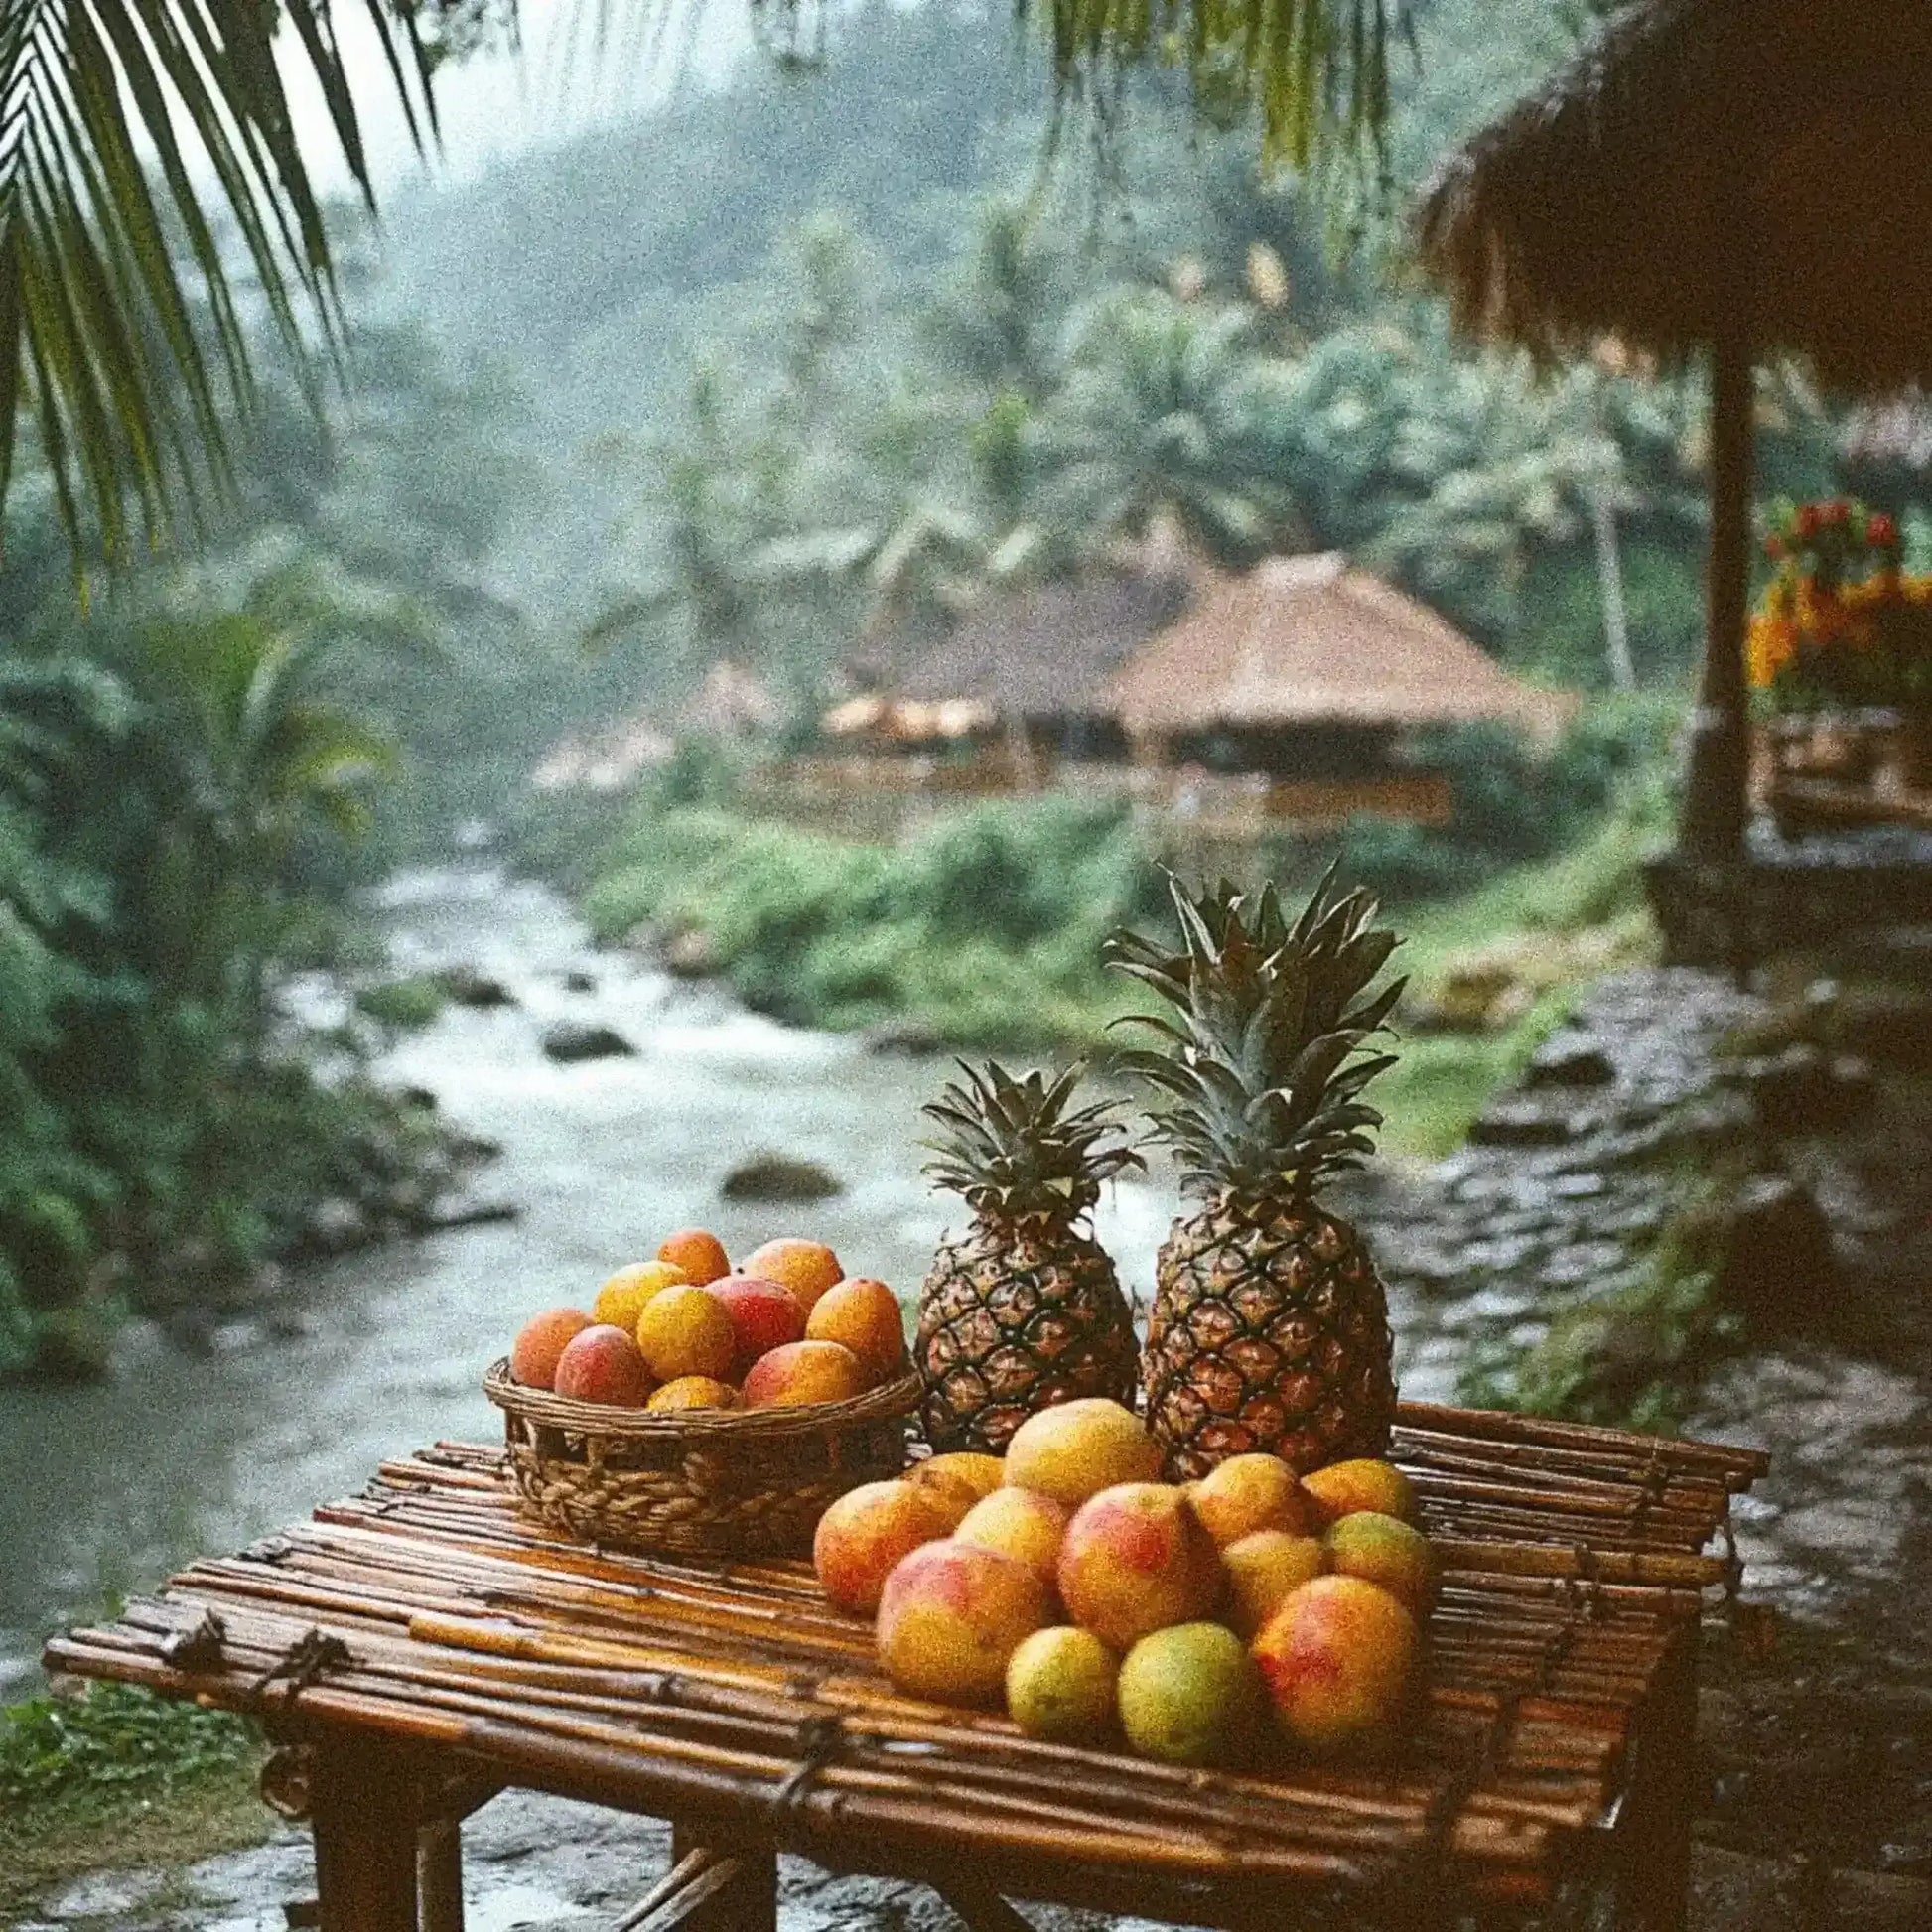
(148, 162)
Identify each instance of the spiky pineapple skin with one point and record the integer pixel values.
(1012, 1321)
(1268, 1331)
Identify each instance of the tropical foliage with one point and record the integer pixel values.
(122, 301)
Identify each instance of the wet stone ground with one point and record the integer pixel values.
(1815, 1719)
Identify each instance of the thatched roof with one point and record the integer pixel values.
(1695, 140)
(1305, 640)
(1046, 652)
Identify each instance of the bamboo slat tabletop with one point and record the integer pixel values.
(428, 1611)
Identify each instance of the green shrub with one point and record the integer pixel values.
(988, 926)
(404, 1003)
(114, 1738)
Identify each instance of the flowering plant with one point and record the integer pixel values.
(1840, 623)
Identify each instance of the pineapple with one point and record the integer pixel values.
(1269, 1327)
(1023, 1309)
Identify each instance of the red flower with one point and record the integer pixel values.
(1832, 515)
(1880, 531)
(1806, 521)
(1774, 548)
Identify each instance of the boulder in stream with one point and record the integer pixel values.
(780, 1177)
(570, 1041)
(465, 986)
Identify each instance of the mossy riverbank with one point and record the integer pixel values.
(115, 1776)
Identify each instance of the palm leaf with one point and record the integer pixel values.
(135, 135)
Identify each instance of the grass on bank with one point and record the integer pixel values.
(986, 929)
(116, 1779)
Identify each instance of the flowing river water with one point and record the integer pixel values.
(106, 1489)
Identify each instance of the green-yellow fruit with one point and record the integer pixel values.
(1061, 1686)
(1189, 1694)
(1387, 1551)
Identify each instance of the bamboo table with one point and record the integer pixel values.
(422, 1647)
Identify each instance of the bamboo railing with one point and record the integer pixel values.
(429, 1611)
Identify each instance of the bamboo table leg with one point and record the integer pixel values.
(713, 1888)
(365, 1809)
(1654, 1867)
(978, 1907)
(439, 1875)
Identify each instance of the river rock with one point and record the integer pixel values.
(691, 955)
(1569, 1060)
(909, 1036)
(336, 1226)
(780, 1177)
(579, 981)
(467, 1211)
(464, 986)
(1529, 1120)
(571, 1041)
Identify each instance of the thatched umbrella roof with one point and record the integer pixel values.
(1306, 641)
(1046, 652)
(1703, 157)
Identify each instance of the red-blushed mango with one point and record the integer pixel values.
(956, 1481)
(694, 1392)
(701, 1255)
(805, 1371)
(538, 1343)
(862, 1314)
(1019, 1523)
(1076, 1449)
(1060, 1685)
(764, 1317)
(1248, 1493)
(1340, 1658)
(1387, 1551)
(601, 1364)
(950, 1618)
(620, 1300)
(807, 1268)
(1191, 1695)
(1344, 1488)
(687, 1330)
(863, 1537)
(1264, 1567)
(1135, 1559)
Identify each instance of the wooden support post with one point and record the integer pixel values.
(1714, 801)
(363, 1801)
(732, 1888)
(439, 1875)
(979, 1907)
(1654, 1861)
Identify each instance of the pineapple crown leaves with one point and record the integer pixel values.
(1264, 1050)
(1016, 1150)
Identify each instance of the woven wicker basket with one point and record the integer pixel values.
(733, 1482)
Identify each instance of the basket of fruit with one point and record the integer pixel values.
(706, 1411)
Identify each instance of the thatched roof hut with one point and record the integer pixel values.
(1310, 641)
(1738, 175)
(1046, 654)
(1706, 165)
